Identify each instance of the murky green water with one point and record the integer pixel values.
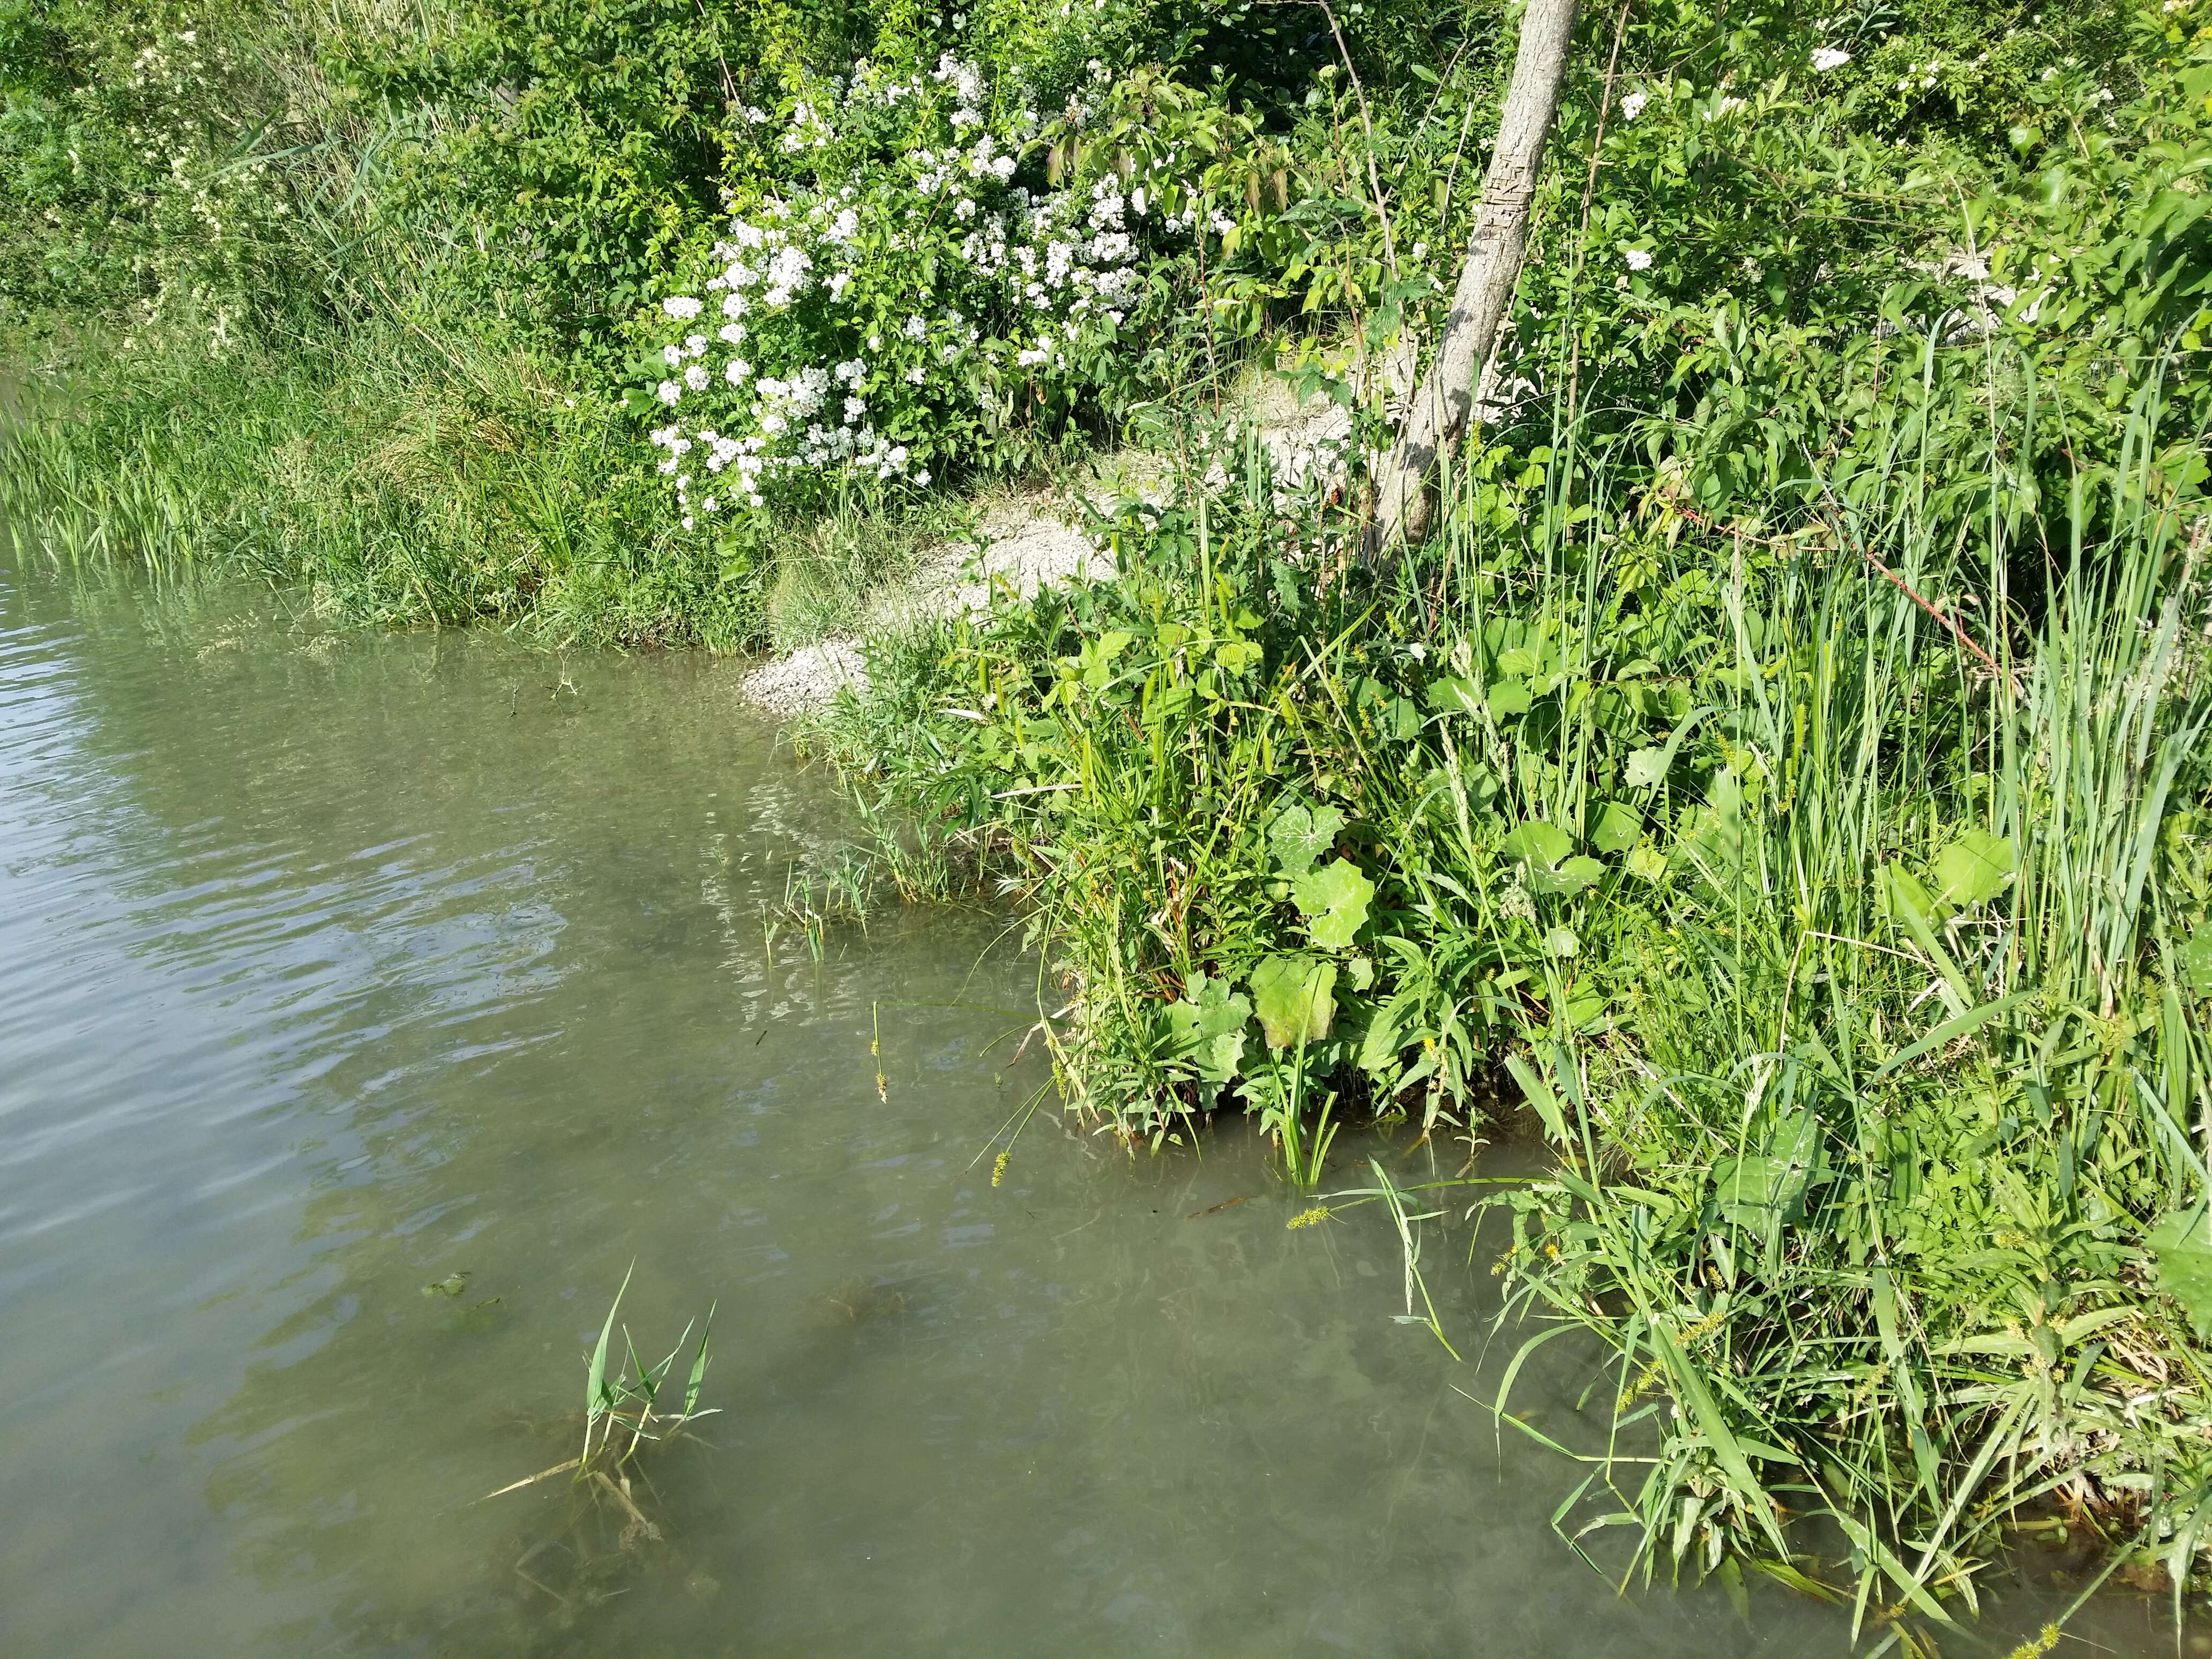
(328, 971)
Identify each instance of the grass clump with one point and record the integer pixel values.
(624, 1411)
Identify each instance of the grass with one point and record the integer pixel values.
(624, 1413)
(1830, 877)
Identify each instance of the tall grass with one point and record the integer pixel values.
(1831, 907)
(397, 486)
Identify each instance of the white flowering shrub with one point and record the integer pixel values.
(911, 307)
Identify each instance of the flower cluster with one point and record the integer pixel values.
(868, 322)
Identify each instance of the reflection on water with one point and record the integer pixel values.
(330, 969)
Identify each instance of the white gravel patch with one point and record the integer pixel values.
(807, 679)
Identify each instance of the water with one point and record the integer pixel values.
(329, 969)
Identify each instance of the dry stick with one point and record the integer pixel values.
(1835, 523)
(1590, 191)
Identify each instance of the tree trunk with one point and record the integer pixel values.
(1440, 409)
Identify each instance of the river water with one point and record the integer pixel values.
(336, 974)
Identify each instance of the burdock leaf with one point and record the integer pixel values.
(1291, 994)
(1300, 834)
(1333, 900)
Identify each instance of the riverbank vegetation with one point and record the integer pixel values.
(1781, 771)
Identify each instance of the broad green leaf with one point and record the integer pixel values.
(1548, 852)
(1455, 697)
(1509, 697)
(1974, 867)
(1208, 1027)
(1646, 768)
(1291, 995)
(1751, 1189)
(2182, 1243)
(2194, 960)
(1618, 826)
(1537, 842)
(1299, 835)
(1333, 900)
(1647, 862)
(1237, 655)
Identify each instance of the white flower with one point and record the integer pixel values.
(922, 477)
(696, 377)
(838, 284)
(682, 307)
(1632, 106)
(733, 333)
(1636, 259)
(915, 376)
(735, 305)
(694, 344)
(673, 355)
(1829, 58)
(854, 408)
(737, 370)
(669, 392)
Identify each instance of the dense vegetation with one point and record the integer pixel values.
(1782, 771)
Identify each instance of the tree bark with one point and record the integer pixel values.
(1439, 413)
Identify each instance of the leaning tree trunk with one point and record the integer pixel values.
(1440, 409)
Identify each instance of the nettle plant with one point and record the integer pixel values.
(910, 305)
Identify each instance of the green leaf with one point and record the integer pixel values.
(2195, 960)
(2182, 1243)
(1208, 1027)
(1292, 994)
(1974, 867)
(1509, 697)
(1754, 1188)
(1646, 768)
(1333, 900)
(1900, 895)
(1618, 826)
(1545, 848)
(1453, 696)
(1299, 835)
(699, 1365)
(1648, 863)
(1537, 842)
(597, 1397)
